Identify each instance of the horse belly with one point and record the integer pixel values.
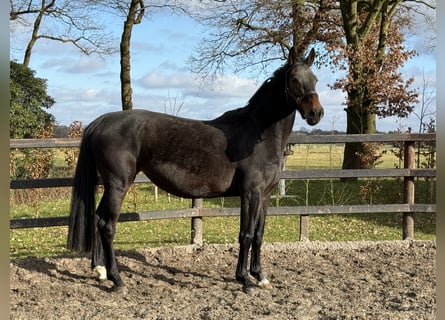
(192, 181)
(186, 158)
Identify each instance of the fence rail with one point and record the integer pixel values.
(294, 138)
(409, 172)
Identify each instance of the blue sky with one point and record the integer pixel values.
(85, 87)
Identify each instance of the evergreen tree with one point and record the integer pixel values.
(29, 101)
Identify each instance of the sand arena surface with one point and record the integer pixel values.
(311, 280)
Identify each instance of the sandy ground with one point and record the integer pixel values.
(311, 280)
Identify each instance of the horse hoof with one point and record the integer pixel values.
(265, 284)
(250, 289)
(122, 290)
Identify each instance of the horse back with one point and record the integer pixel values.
(182, 156)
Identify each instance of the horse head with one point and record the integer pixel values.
(300, 87)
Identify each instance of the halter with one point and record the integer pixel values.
(289, 94)
(297, 99)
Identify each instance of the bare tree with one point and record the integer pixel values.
(133, 11)
(362, 37)
(74, 22)
(250, 35)
(426, 109)
(424, 12)
(172, 105)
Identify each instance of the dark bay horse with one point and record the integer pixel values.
(239, 153)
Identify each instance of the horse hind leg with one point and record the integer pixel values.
(103, 251)
(97, 254)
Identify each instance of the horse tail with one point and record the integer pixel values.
(81, 227)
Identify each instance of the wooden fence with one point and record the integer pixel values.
(196, 212)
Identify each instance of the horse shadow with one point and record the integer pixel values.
(162, 272)
(48, 266)
(169, 274)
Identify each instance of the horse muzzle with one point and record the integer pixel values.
(314, 116)
(312, 109)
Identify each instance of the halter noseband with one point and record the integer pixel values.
(289, 93)
(297, 99)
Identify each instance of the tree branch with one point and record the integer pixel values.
(371, 17)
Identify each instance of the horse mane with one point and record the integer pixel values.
(265, 84)
(253, 101)
(277, 72)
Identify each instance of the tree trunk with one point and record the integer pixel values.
(297, 30)
(134, 17)
(360, 120)
(126, 90)
(35, 32)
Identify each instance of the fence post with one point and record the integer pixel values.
(282, 183)
(304, 226)
(196, 232)
(408, 189)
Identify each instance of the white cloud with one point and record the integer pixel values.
(85, 64)
(236, 86)
(157, 79)
(82, 65)
(82, 104)
(168, 76)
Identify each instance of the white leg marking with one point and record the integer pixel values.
(100, 272)
(265, 284)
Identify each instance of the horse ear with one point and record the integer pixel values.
(292, 57)
(310, 58)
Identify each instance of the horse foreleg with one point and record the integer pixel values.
(249, 215)
(255, 261)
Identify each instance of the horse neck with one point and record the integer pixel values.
(269, 107)
(280, 131)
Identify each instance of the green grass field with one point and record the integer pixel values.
(141, 197)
